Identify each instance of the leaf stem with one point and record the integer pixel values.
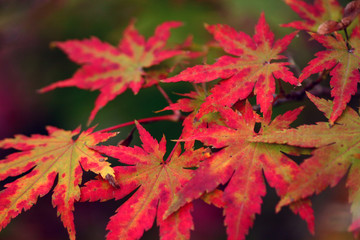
(293, 64)
(162, 91)
(172, 151)
(172, 117)
(196, 88)
(346, 35)
(204, 87)
(177, 113)
(347, 39)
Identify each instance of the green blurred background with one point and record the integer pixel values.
(27, 63)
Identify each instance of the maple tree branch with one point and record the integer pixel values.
(300, 94)
(297, 95)
(172, 117)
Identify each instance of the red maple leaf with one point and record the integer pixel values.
(47, 157)
(343, 59)
(154, 180)
(338, 150)
(114, 69)
(241, 163)
(253, 68)
(314, 15)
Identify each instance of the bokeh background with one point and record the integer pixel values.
(28, 63)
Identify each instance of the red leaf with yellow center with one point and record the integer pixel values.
(114, 69)
(47, 157)
(253, 68)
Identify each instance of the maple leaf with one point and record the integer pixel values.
(314, 15)
(343, 62)
(114, 69)
(155, 180)
(253, 68)
(241, 163)
(46, 157)
(338, 150)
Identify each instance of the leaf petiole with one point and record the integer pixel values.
(172, 117)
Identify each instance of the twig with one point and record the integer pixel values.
(300, 94)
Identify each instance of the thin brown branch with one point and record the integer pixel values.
(300, 94)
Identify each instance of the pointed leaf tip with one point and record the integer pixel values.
(323, 105)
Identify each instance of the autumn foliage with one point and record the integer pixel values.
(232, 143)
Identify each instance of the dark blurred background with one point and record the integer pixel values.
(27, 63)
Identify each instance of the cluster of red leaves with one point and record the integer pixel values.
(249, 147)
